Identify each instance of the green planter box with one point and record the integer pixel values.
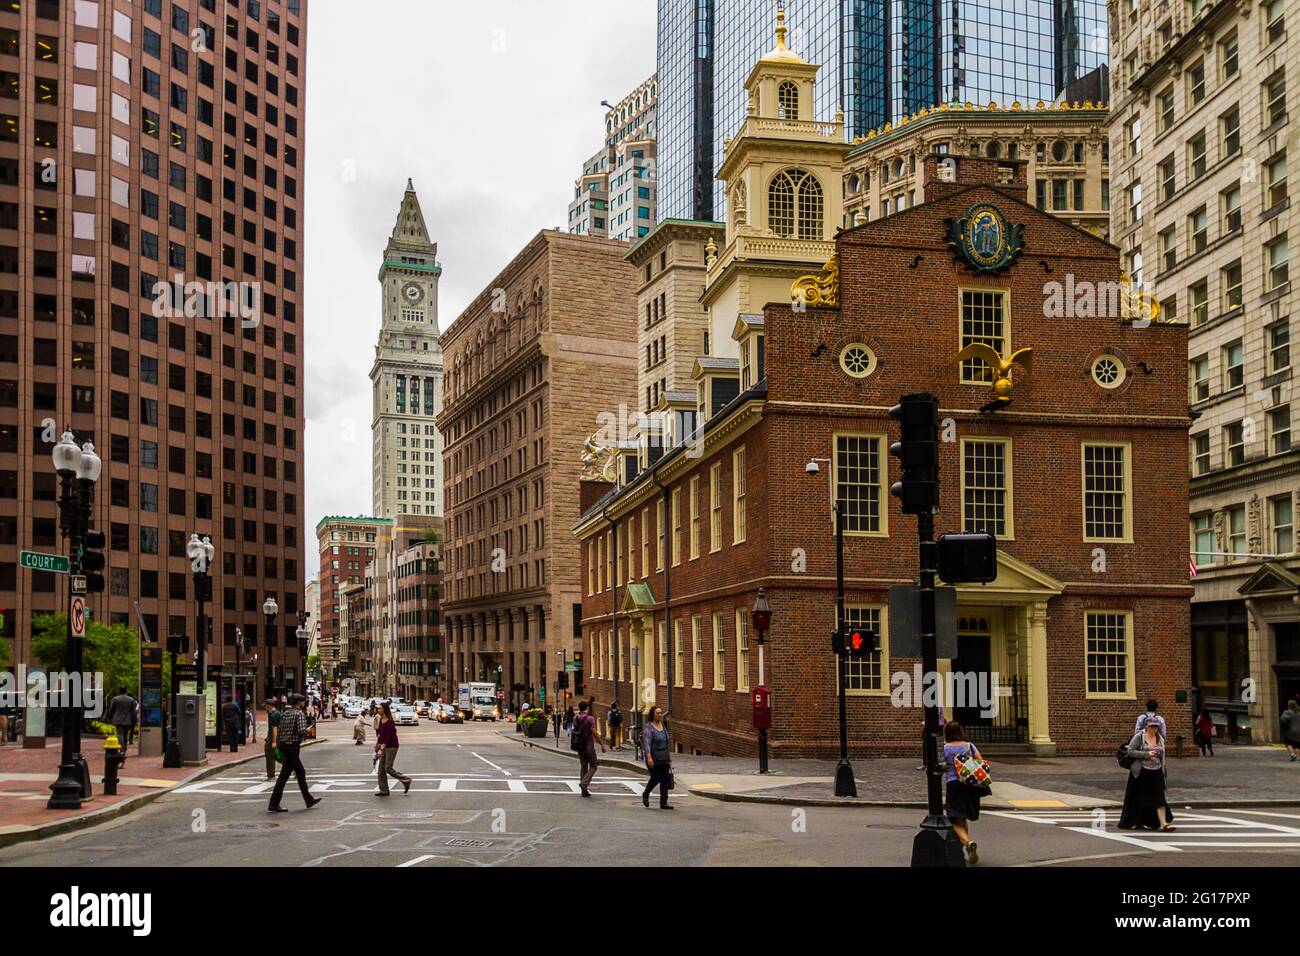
(535, 729)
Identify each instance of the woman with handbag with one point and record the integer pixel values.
(658, 758)
(963, 791)
(1145, 803)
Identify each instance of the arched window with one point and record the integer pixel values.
(787, 98)
(795, 205)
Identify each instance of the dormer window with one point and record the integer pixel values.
(787, 97)
(794, 202)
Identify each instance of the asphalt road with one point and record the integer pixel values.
(481, 800)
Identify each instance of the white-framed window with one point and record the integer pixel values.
(866, 675)
(742, 650)
(1279, 346)
(1279, 429)
(1274, 179)
(1108, 654)
(1201, 453)
(645, 543)
(986, 492)
(738, 522)
(1276, 271)
(677, 526)
(715, 507)
(1237, 530)
(659, 534)
(663, 655)
(695, 517)
(1234, 365)
(983, 319)
(1200, 378)
(631, 548)
(678, 678)
(1107, 501)
(859, 476)
(1281, 512)
(1203, 541)
(719, 652)
(697, 653)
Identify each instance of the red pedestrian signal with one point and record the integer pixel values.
(855, 642)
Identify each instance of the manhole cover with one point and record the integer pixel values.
(249, 826)
(469, 844)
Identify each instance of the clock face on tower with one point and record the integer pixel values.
(412, 293)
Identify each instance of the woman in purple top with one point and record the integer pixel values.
(386, 750)
(963, 800)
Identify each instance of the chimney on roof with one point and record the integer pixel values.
(946, 174)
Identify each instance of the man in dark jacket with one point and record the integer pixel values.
(121, 714)
(233, 719)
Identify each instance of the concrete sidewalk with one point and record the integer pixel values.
(1237, 776)
(26, 775)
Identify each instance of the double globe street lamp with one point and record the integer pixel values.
(83, 466)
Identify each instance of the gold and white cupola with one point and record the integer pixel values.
(783, 173)
(783, 167)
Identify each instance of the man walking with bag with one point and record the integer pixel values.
(290, 734)
(583, 738)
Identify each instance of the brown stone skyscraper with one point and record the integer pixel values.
(147, 145)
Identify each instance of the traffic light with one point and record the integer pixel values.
(855, 642)
(918, 453)
(562, 680)
(92, 561)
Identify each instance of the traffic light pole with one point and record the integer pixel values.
(845, 786)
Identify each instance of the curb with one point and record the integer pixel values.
(120, 809)
(605, 759)
(725, 797)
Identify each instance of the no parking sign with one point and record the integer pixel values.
(78, 616)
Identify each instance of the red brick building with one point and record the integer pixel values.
(1082, 476)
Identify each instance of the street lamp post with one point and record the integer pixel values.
(302, 636)
(83, 466)
(845, 786)
(201, 553)
(270, 609)
(761, 617)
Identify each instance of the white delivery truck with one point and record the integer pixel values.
(477, 701)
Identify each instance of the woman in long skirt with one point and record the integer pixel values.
(1145, 802)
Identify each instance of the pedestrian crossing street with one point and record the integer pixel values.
(246, 784)
(1196, 830)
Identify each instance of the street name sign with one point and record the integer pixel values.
(36, 561)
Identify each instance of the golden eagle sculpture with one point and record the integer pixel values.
(1000, 367)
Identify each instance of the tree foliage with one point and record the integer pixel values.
(113, 650)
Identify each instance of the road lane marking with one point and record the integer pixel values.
(418, 860)
(1216, 829)
(490, 763)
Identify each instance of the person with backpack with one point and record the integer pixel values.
(1150, 714)
(1145, 802)
(615, 720)
(962, 803)
(1205, 733)
(582, 739)
(1291, 729)
(658, 758)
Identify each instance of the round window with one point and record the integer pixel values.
(1109, 372)
(857, 360)
(1060, 150)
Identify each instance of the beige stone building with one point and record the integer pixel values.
(543, 357)
(1202, 139)
(1065, 148)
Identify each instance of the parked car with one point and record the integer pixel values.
(447, 714)
(405, 715)
(353, 709)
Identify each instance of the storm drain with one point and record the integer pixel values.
(469, 844)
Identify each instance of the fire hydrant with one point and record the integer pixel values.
(113, 759)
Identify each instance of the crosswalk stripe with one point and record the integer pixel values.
(1194, 830)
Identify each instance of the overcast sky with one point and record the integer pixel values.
(491, 107)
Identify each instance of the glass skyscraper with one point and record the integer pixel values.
(880, 59)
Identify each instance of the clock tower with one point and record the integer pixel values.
(406, 379)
